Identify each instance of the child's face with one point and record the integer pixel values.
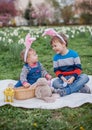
(58, 47)
(32, 57)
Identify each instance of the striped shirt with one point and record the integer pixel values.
(68, 64)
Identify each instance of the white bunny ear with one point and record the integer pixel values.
(28, 42)
(25, 55)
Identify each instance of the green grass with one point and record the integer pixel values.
(37, 119)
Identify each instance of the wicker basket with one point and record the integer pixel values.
(22, 93)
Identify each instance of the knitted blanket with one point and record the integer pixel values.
(72, 100)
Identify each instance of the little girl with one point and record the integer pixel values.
(32, 69)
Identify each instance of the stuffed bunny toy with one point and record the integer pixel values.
(44, 91)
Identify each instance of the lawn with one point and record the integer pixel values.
(11, 43)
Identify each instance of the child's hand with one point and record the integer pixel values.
(64, 79)
(26, 85)
(70, 81)
(48, 77)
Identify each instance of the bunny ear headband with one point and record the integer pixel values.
(28, 42)
(52, 32)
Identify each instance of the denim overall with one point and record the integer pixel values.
(33, 74)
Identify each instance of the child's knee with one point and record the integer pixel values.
(85, 77)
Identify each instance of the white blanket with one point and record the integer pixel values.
(72, 100)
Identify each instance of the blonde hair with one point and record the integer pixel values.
(23, 53)
(56, 38)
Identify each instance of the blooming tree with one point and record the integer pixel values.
(7, 11)
(42, 13)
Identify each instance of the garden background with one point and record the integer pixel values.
(11, 43)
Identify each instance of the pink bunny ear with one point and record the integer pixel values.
(29, 41)
(50, 32)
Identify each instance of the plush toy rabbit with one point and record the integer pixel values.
(44, 91)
